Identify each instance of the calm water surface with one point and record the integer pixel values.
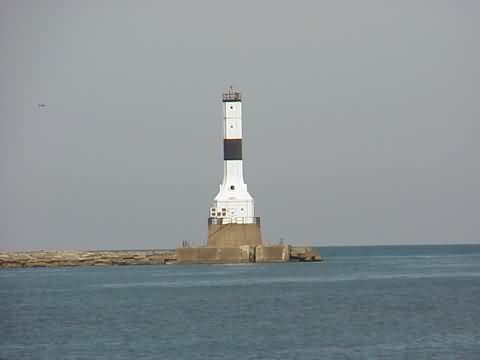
(362, 303)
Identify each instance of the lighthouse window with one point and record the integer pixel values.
(231, 107)
(232, 187)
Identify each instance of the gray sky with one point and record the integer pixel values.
(361, 120)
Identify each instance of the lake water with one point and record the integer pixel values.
(404, 302)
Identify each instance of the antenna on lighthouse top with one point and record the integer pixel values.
(232, 95)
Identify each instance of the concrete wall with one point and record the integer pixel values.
(234, 235)
(274, 253)
(233, 255)
(214, 255)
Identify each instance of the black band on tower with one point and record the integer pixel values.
(232, 149)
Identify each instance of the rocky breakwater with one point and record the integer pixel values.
(304, 254)
(85, 258)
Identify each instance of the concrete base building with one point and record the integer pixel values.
(222, 233)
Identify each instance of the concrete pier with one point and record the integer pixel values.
(215, 255)
(245, 254)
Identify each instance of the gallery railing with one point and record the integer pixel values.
(232, 96)
(234, 220)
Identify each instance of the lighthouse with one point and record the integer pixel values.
(232, 220)
(234, 234)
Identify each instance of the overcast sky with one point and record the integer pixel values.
(361, 120)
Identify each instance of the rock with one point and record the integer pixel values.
(304, 254)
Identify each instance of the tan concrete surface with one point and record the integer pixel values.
(234, 235)
(241, 254)
(273, 253)
(213, 255)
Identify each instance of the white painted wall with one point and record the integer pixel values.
(233, 199)
(232, 124)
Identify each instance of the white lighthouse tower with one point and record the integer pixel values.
(233, 200)
(233, 205)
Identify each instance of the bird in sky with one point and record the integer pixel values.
(42, 106)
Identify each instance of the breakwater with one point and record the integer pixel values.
(85, 258)
(27, 259)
